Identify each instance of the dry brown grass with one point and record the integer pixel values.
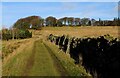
(11, 45)
(88, 31)
(94, 31)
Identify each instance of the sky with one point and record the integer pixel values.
(59, 0)
(12, 11)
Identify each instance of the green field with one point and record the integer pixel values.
(38, 57)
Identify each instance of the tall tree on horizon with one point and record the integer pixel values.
(64, 21)
(84, 21)
(29, 22)
(51, 21)
(77, 21)
(59, 22)
(71, 21)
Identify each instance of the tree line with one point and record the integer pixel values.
(15, 33)
(100, 56)
(36, 22)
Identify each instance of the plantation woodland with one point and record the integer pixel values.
(35, 22)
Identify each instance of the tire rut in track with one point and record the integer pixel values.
(30, 61)
(57, 64)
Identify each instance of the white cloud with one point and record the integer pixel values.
(91, 11)
(118, 7)
(69, 6)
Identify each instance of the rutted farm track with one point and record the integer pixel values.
(38, 57)
(39, 61)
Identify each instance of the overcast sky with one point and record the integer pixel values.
(12, 11)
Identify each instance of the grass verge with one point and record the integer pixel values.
(67, 62)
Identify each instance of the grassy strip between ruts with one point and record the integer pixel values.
(67, 62)
(43, 63)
